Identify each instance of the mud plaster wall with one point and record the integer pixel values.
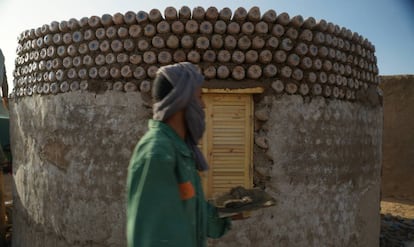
(325, 175)
(398, 148)
(80, 104)
(71, 156)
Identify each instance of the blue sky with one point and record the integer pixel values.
(388, 24)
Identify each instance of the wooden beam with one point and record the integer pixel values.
(239, 90)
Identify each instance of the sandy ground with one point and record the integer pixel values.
(397, 223)
(403, 208)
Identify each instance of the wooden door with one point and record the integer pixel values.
(228, 142)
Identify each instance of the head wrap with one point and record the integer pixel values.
(185, 79)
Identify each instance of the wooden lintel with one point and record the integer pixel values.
(252, 90)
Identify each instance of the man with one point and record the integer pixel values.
(166, 204)
(3, 81)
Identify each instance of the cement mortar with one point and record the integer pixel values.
(71, 153)
(325, 176)
(72, 150)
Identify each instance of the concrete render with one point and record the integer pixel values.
(71, 153)
(71, 156)
(325, 176)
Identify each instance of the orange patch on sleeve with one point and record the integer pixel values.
(186, 190)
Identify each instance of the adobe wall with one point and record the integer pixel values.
(323, 161)
(71, 154)
(81, 101)
(398, 144)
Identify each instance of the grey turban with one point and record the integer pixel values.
(185, 79)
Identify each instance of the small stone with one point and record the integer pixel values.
(262, 114)
(261, 141)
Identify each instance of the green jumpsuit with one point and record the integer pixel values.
(165, 202)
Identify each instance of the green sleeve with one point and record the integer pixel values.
(155, 212)
(216, 226)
